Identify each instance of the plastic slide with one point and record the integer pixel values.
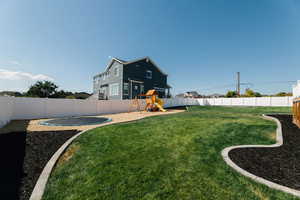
(160, 107)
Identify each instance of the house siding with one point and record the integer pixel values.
(110, 78)
(133, 74)
(137, 71)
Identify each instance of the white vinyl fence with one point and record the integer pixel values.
(32, 108)
(6, 108)
(244, 101)
(296, 90)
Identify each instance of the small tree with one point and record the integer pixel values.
(283, 94)
(251, 93)
(257, 94)
(61, 94)
(81, 95)
(42, 89)
(231, 94)
(70, 97)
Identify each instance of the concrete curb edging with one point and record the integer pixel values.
(39, 188)
(279, 142)
(40, 185)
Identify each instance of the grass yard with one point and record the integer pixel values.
(165, 157)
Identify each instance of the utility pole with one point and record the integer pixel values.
(238, 85)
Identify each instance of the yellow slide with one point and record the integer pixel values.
(159, 103)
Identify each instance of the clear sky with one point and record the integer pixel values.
(201, 44)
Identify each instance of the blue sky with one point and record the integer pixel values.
(200, 44)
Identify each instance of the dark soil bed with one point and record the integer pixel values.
(279, 164)
(23, 157)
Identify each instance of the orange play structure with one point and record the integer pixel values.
(153, 103)
(296, 111)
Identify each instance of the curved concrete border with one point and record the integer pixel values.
(40, 185)
(279, 142)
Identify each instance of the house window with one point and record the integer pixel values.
(116, 71)
(114, 89)
(142, 89)
(97, 80)
(126, 88)
(149, 74)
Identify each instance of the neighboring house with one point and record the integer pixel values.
(128, 79)
(215, 95)
(191, 94)
(180, 95)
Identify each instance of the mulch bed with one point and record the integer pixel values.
(23, 157)
(277, 164)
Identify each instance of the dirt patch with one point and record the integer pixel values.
(276, 164)
(68, 154)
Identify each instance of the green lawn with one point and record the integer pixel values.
(166, 157)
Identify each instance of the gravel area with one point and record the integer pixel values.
(277, 164)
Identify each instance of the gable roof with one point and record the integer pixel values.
(149, 59)
(130, 62)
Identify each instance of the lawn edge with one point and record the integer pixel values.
(279, 142)
(40, 186)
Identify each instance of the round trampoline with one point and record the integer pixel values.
(75, 121)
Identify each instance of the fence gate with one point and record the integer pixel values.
(296, 111)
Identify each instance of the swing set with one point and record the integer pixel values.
(153, 103)
(296, 111)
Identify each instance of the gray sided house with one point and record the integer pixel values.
(127, 79)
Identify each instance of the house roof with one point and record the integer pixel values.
(130, 62)
(192, 92)
(119, 60)
(151, 93)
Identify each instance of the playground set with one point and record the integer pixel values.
(153, 103)
(296, 111)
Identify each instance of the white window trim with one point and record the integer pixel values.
(112, 87)
(126, 93)
(148, 77)
(118, 71)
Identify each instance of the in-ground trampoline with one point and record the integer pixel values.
(75, 121)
